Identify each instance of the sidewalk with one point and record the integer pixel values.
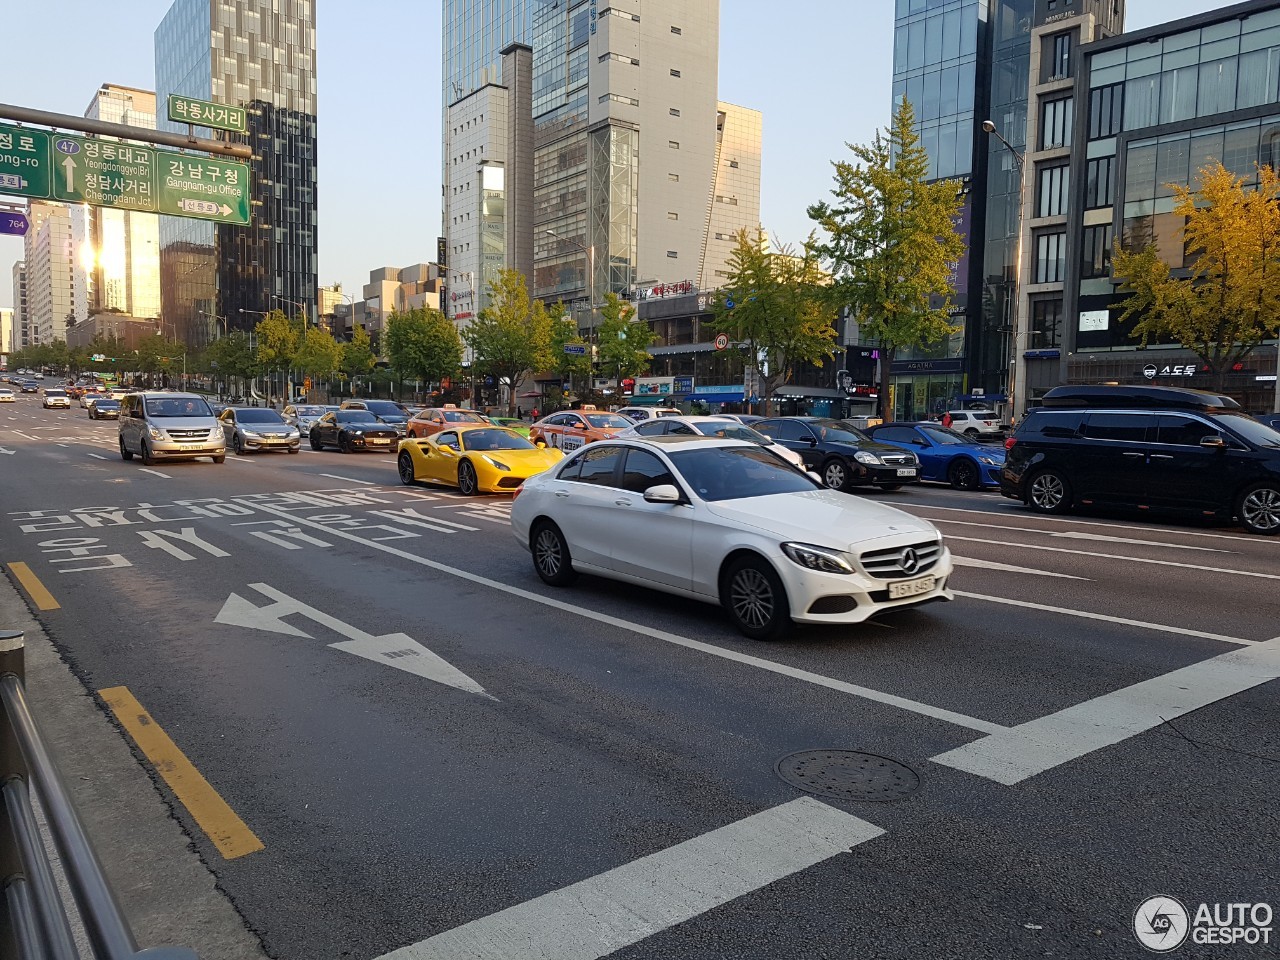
(168, 895)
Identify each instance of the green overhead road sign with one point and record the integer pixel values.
(24, 162)
(202, 113)
(191, 186)
(104, 173)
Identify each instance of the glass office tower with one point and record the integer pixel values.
(475, 34)
(261, 55)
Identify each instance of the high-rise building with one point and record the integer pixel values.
(734, 204)
(960, 62)
(610, 87)
(50, 260)
(21, 331)
(261, 55)
(389, 290)
(117, 261)
(6, 330)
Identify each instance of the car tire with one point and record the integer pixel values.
(404, 467)
(551, 557)
(963, 474)
(343, 446)
(1258, 509)
(297, 449)
(147, 459)
(124, 453)
(1049, 492)
(752, 593)
(237, 446)
(468, 483)
(221, 458)
(835, 474)
(890, 487)
(315, 443)
(971, 433)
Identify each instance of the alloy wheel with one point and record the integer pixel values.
(751, 595)
(964, 475)
(1260, 510)
(1048, 491)
(467, 483)
(548, 553)
(834, 475)
(405, 465)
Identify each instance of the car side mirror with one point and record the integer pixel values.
(813, 476)
(662, 493)
(1213, 443)
(542, 444)
(812, 441)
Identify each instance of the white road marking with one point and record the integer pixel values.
(1010, 568)
(1039, 745)
(1076, 535)
(853, 689)
(247, 463)
(619, 908)
(334, 476)
(97, 456)
(1089, 615)
(413, 518)
(155, 473)
(25, 436)
(1113, 556)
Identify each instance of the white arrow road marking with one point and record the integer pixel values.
(394, 650)
(613, 910)
(6, 450)
(1009, 568)
(1013, 755)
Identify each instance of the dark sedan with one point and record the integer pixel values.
(945, 455)
(352, 430)
(843, 457)
(104, 408)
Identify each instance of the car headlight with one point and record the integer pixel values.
(249, 434)
(156, 433)
(214, 434)
(868, 458)
(822, 559)
(497, 463)
(356, 433)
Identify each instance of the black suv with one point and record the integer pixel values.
(841, 455)
(1150, 448)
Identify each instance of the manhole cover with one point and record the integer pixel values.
(848, 775)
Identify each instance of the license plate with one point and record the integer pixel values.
(907, 472)
(379, 442)
(189, 446)
(911, 588)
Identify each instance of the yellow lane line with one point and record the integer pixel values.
(221, 825)
(37, 590)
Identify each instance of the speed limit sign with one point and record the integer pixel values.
(722, 342)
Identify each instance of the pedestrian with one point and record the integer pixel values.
(946, 419)
(520, 413)
(534, 415)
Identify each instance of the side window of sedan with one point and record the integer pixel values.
(683, 430)
(652, 428)
(645, 470)
(598, 465)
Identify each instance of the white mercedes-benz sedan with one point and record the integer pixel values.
(726, 522)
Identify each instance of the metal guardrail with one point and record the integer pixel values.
(33, 911)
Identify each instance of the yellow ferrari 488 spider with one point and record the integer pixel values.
(474, 458)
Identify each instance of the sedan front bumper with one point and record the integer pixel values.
(817, 597)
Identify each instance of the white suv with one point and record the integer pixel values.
(973, 423)
(641, 414)
(56, 397)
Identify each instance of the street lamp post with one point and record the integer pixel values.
(1017, 363)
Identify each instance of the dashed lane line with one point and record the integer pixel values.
(155, 473)
(1077, 535)
(1011, 568)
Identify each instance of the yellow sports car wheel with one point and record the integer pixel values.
(404, 464)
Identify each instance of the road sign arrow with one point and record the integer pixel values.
(69, 165)
(393, 650)
(224, 210)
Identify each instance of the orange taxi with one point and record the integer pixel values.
(571, 429)
(428, 422)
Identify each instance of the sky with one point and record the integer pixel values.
(821, 77)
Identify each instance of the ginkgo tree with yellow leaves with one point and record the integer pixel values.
(1228, 301)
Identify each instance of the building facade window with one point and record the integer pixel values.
(1106, 111)
(1054, 191)
(1046, 323)
(1051, 257)
(1057, 56)
(1099, 188)
(1095, 252)
(1055, 123)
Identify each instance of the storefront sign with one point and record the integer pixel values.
(682, 384)
(654, 386)
(952, 365)
(663, 291)
(1151, 371)
(1094, 321)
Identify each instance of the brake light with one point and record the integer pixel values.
(1009, 442)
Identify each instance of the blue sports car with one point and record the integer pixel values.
(945, 456)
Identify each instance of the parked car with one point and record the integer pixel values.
(1166, 449)
(434, 419)
(724, 521)
(352, 430)
(258, 428)
(641, 414)
(843, 457)
(387, 411)
(976, 423)
(169, 426)
(474, 459)
(711, 427)
(511, 423)
(945, 456)
(104, 409)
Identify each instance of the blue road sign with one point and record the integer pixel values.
(14, 224)
(576, 349)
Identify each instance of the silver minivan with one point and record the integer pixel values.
(170, 426)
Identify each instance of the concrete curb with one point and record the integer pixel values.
(167, 893)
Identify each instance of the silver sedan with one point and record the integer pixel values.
(258, 428)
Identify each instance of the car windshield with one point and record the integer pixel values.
(462, 416)
(356, 416)
(177, 407)
(106, 404)
(731, 431)
(258, 416)
(313, 411)
(386, 408)
(55, 393)
(607, 421)
(1250, 429)
(944, 436)
(735, 473)
(833, 431)
(481, 440)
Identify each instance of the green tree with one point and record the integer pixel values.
(357, 353)
(318, 355)
(511, 337)
(423, 344)
(892, 244)
(278, 340)
(564, 332)
(1228, 301)
(234, 357)
(781, 311)
(624, 340)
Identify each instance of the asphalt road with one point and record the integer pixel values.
(591, 772)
